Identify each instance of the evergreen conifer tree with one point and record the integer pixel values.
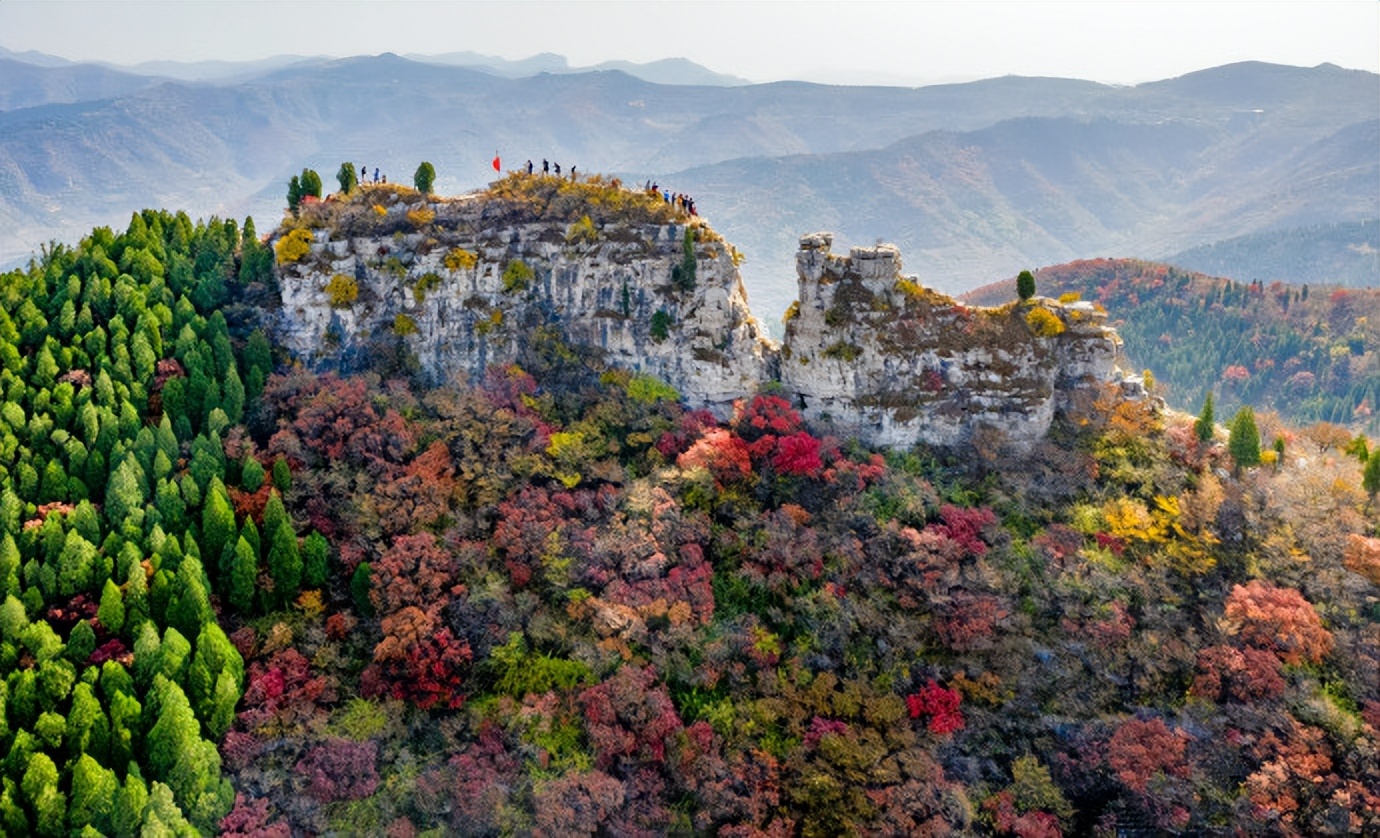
(1244, 442)
(1025, 285)
(1203, 428)
(424, 178)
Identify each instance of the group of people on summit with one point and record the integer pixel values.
(364, 174)
(680, 200)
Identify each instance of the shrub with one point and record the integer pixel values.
(517, 276)
(582, 231)
(420, 217)
(460, 259)
(293, 246)
(1025, 285)
(342, 291)
(1070, 297)
(843, 351)
(1044, 323)
(426, 283)
(661, 324)
(404, 325)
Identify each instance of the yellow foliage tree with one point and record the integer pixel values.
(293, 246)
(342, 291)
(1044, 323)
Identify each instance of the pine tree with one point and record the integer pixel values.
(244, 576)
(424, 178)
(285, 563)
(347, 178)
(315, 553)
(1025, 285)
(1370, 475)
(1203, 428)
(1244, 442)
(294, 194)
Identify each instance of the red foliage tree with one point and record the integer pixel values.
(252, 819)
(1140, 749)
(413, 571)
(940, 705)
(1279, 620)
(340, 769)
(1242, 675)
(797, 454)
(630, 718)
(722, 453)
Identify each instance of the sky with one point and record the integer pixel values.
(1113, 41)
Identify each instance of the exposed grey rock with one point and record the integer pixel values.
(866, 348)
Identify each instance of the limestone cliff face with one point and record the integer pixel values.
(470, 282)
(897, 364)
(472, 286)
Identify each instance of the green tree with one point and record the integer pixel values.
(94, 788)
(1370, 476)
(311, 183)
(347, 178)
(294, 194)
(424, 178)
(40, 786)
(1203, 427)
(282, 476)
(111, 612)
(315, 554)
(284, 563)
(1244, 441)
(1025, 285)
(217, 522)
(244, 576)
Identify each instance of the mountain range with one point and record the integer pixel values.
(973, 181)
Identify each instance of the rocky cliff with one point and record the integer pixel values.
(468, 282)
(897, 363)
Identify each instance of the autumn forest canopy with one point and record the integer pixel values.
(243, 597)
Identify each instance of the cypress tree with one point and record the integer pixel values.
(1025, 285)
(1203, 428)
(1244, 442)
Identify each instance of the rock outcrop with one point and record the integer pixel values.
(475, 284)
(895, 363)
(470, 282)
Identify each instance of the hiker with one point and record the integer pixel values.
(572, 174)
(545, 167)
(557, 167)
(376, 174)
(529, 167)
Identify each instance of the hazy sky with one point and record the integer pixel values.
(1123, 41)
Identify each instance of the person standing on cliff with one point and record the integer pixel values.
(529, 167)
(545, 167)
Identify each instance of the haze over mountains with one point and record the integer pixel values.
(973, 181)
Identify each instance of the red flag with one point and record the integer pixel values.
(497, 167)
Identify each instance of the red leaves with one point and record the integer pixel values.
(1279, 620)
(797, 454)
(629, 717)
(340, 769)
(722, 453)
(765, 415)
(1237, 674)
(940, 705)
(965, 526)
(1141, 749)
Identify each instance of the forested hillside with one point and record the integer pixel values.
(1311, 353)
(245, 598)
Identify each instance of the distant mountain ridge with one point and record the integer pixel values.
(972, 181)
